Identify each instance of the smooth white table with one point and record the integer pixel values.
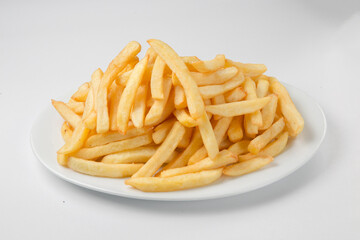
(47, 49)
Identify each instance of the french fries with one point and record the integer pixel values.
(173, 123)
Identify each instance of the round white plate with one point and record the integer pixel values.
(46, 140)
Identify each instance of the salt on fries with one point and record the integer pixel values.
(173, 123)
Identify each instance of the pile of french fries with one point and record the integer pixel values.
(173, 123)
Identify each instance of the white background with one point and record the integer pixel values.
(48, 49)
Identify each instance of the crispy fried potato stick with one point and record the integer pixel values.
(249, 166)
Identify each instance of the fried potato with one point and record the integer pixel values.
(128, 96)
(77, 139)
(184, 118)
(262, 88)
(189, 60)
(249, 69)
(239, 147)
(235, 95)
(66, 113)
(163, 152)
(238, 108)
(115, 95)
(208, 136)
(181, 182)
(268, 112)
(214, 78)
(162, 130)
(137, 155)
(185, 141)
(177, 65)
(224, 158)
(157, 85)
(293, 119)
(180, 98)
(77, 107)
(235, 131)
(219, 99)
(255, 117)
(152, 55)
(100, 169)
(66, 132)
(138, 111)
(262, 140)
(249, 166)
(225, 144)
(210, 65)
(62, 159)
(81, 94)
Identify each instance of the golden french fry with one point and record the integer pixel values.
(235, 131)
(208, 136)
(235, 95)
(168, 109)
(214, 90)
(250, 129)
(81, 94)
(222, 159)
(163, 152)
(262, 88)
(181, 182)
(255, 117)
(158, 107)
(182, 160)
(113, 147)
(175, 80)
(66, 113)
(260, 78)
(137, 155)
(77, 107)
(124, 78)
(138, 112)
(185, 141)
(238, 108)
(210, 65)
(208, 102)
(115, 95)
(116, 65)
(62, 159)
(293, 119)
(268, 112)
(220, 130)
(151, 54)
(108, 137)
(128, 96)
(184, 118)
(89, 115)
(180, 99)
(249, 69)
(225, 144)
(101, 169)
(214, 78)
(239, 147)
(262, 140)
(156, 84)
(162, 130)
(219, 99)
(189, 60)
(77, 140)
(66, 132)
(249, 166)
(177, 65)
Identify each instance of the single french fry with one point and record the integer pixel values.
(175, 80)
(157, 109)
(115, 95)
(138, 112)
(225, 144)
(81, 94)
(128, 96)
(137, 155)
(180, 99)
(235, 131)
(184, 118)
(89, 115)
(249, 69)
(185, 141)
(293, 119)
(151, 54)
(262, 140)
(66, 113)
(220, 130)
(177, 65)
(219, 99)
(222, 159)
(156, 84)
(249, 166)
(181, 182)
(108, 137)
(208, 136)
(214, 78)
(163, 152)
(238, 108)
(268, 112)
(250, 129)
(240, 147)
(255, 117)
(189, 60)
(77, 140)
(262, 88)
(116, 65)
(210, 65)
(66, 132)
(162, 130)
(208, 102)
(168, 109)
(235, 95)
(182, 160)
(101, 169)
(77, 107)
(113, 147)
(214, 90)
(62, 159)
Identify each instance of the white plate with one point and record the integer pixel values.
(46, 140)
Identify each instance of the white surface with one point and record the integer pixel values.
(46, 140)
(47, 49)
